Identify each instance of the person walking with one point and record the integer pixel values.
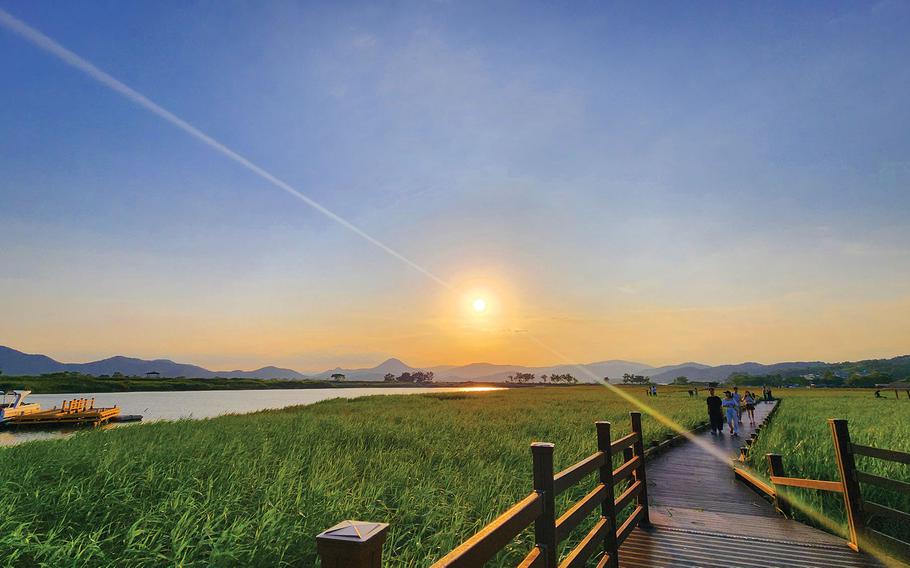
(739, 404)
(715, 413)
(731, 406)
(750, 407)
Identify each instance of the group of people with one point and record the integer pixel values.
(652, 390)
(731, 408)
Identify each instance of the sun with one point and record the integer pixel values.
(480, 305)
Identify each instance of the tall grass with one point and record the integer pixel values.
(255, 489)
(800, 433)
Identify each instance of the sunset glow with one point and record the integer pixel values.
(479, 305)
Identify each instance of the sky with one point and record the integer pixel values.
(649, 181)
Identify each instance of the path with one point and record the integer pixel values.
(702, 517)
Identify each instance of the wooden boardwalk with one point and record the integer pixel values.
(702, 517)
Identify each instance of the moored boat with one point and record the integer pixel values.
(18, 406)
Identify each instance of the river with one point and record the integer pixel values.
(203, 404)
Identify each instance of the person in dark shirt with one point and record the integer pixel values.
(715, 412)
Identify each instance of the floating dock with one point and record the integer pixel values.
(80, 411)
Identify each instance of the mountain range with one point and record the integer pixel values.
(17, 363)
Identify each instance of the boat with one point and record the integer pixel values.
(79, 411)
(18, 407)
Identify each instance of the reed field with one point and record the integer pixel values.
(255, 489)
(800, 433)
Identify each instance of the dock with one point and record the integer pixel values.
(76, 412)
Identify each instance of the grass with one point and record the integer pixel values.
(255, 489)
(800, 433)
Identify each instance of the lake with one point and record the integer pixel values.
(203, 404)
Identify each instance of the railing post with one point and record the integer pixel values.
(545, 525)
(853, 499)
(607, 508)
(776, 465)
(640, 470)
(352, 544)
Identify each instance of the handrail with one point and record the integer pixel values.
(539, 509)
(836, 486)
(754, 481)
(625, 470)
(893, 484)
(881, 453)
(877, 509)
(627, 495)
(580, 554)
(571, 518)
(490, 540)
(575, 473)
(624, 442)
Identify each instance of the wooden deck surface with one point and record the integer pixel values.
(702, 517)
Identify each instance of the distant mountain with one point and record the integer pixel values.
(721, 372)
(13, 362)
(377, 373)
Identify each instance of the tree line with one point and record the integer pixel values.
(553, 379)
(418, 377)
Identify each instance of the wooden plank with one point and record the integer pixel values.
(627, 527)
(754, 481)
(627, 496)
(876, 509)
(590, 543)
(534, 559)
(882, 454)
(572, 475)
(624, 442)
(820, 484)
(625, 470)
(570, 519)
(492, 538)
(901, 486)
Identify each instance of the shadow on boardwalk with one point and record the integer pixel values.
(702, 517)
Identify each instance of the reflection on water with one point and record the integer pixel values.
(205, 404)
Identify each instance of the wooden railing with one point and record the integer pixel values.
(858, 510)
(539, 509)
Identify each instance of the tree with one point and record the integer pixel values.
(337, 377)
(389, 378)
(566, 378)
(632, 379)
(681, 380)
(607, 380)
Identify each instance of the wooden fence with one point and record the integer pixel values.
(538, 509)
(858, 510)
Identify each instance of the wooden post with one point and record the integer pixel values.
(895, 394)
(853, 499)
(352, 544)
(640, 470)
(607, 509)
(776, 465)
(545, 525)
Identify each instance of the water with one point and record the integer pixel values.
(202, 404)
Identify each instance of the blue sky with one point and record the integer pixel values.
(657, 181)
